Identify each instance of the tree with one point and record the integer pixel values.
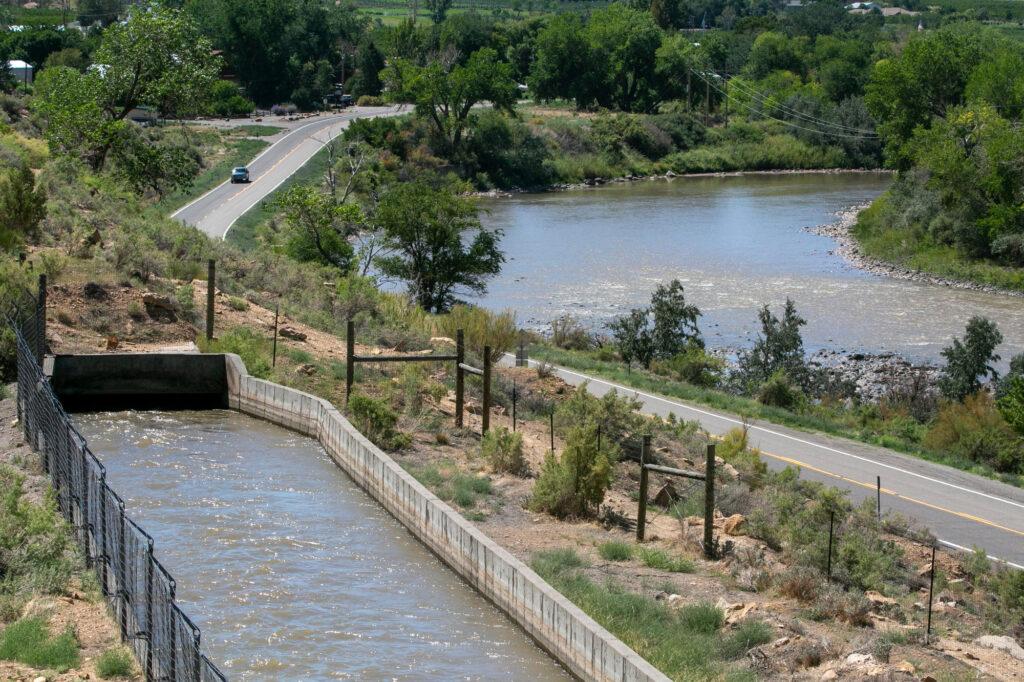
(562, 66)
(632, 332)
(438, 9)
(778, 348)
(623, 44)
(102, 11)
(775, 52)
(971, 360)
(446, 92)
(369, 63)
(319, 227)
(675, 321)
(22, 206)
(437, 244)
(575, 484)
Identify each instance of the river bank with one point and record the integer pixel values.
(850, 249)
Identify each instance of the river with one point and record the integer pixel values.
(291, 571)
(735, 243)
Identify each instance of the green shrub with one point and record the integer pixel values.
(554, 561)
(749, 633)
(615, 551)
(377, 421)
(1011, 402)
(503, 450)
(185, 296)
(237, 303)
(369, 101)
(252, 348)
(779, 391)
(575, 483)
(703, 617)
(116, 662)
(663, 561)
(694, 366)
(29, 641)
(617, 415)
(975, 430)
(976, 565)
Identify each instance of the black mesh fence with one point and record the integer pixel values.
(137, 587)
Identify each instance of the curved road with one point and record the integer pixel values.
(216, 211)
(962, 510)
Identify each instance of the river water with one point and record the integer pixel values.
(290, 570)
(735, 243)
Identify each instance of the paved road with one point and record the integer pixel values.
(963, 510)
(216, 211)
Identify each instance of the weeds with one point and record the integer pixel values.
(29, 641)
(451, 485)
(663, 561)
(117, 662)
(748, 634)
(252, 348)
(503, 451)
(615, 551)
(376, 420)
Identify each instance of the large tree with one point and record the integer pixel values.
(445, 91)
(436, 244)
(623, 43)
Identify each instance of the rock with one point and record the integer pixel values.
(674, 599)
(151, 300)
(112, 342)
(856, 660)
(1002, 643)
(442, 340)
(94, 291)
(734, 525)
(41, 678)
(928, 678)
(730, 471)
(905, 667)
(780, 642)
(291, 333)
(879, 598)
(666, 496)
(670, 174)
(308, 370)
(829, 675)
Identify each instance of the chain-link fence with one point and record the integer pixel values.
(138, 588)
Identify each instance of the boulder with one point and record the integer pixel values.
(1002, 643)
(151, 300)
(291, 333)
(666, 496)
(734, 525)
(879, 598)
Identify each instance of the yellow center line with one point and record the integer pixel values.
(873, 486)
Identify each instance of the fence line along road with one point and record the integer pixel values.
(962, 509)
(216, 211)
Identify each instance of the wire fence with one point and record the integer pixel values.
(139, 590)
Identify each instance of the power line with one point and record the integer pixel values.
(779, 120)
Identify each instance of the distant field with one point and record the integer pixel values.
(394, 11)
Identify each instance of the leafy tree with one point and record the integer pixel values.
(319, 228)
(623, 44)
(22, 206)
(562, 66)
(103, 11)
(999, 80)
(446, 92)
(632, 333)
(675, 321)
(71, 57)
(1011, 402)
(438, 9)
(428, 233)
(369, 63)
(775, 52)
(970, 360)
(574, 484)
(508, 152)
(226, 100)
(778, 349)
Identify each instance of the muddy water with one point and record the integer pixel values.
(736, 243)
(290, 570)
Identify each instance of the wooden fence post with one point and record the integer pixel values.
(277, 311)
(41, 320)
(487, 390)
(350, 361)
(211, 284)
(460, 376)
(641, 512)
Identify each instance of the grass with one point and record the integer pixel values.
(663, 561)
(256, 130)
(239, 153)
(748, 634)
(683, 644)
(615, 551)
(452, 485)
(117, 662)
(29, 641)
(845, 425)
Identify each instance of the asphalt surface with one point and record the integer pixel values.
(216, 211)
(963, 510)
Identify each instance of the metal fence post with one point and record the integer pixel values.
(460, 377)
(41, 321)
(552, 428)
(350, 359)
(709, 503)
(931, 591)
(878, 498)
(277, 310)
(487, 390)
(831, 526)
(103, 533)
(641, 511)
(514, 387)
(122, 577)
(211, 284)
(149, 612)
(85, 505)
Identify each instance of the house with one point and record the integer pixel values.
(21, 70)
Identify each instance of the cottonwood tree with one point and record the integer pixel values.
(319, 227)
(445, 91)
(971, 360)
(436, 244)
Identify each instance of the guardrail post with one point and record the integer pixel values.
(641, 514)
(709, 503)
(211, 285)
(350, 359)
(460, 377)
(41, 321)
(487, 390)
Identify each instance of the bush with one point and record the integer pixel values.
(568, 333)
(370, 101)
(247, 345)
(617, 416)
(29, 641)
(286, 109)
(749, 633)
(503, 450)
(575, 483)
(226, 101)
(976, 431)
(694, 366)
(480, 327)
(801, 583)
(779, 391)
(376, 420)
(115, 663)
(663, 561)
(615, 551)
(237, 303)
(703, 617)
(185, 296)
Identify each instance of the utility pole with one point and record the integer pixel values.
(725, 79)
(707, 101)
(689, 93)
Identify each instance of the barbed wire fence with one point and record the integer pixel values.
(137, 587)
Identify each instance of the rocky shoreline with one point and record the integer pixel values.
(848, 248)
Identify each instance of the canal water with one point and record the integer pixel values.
(290, 570)
(736, 243)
